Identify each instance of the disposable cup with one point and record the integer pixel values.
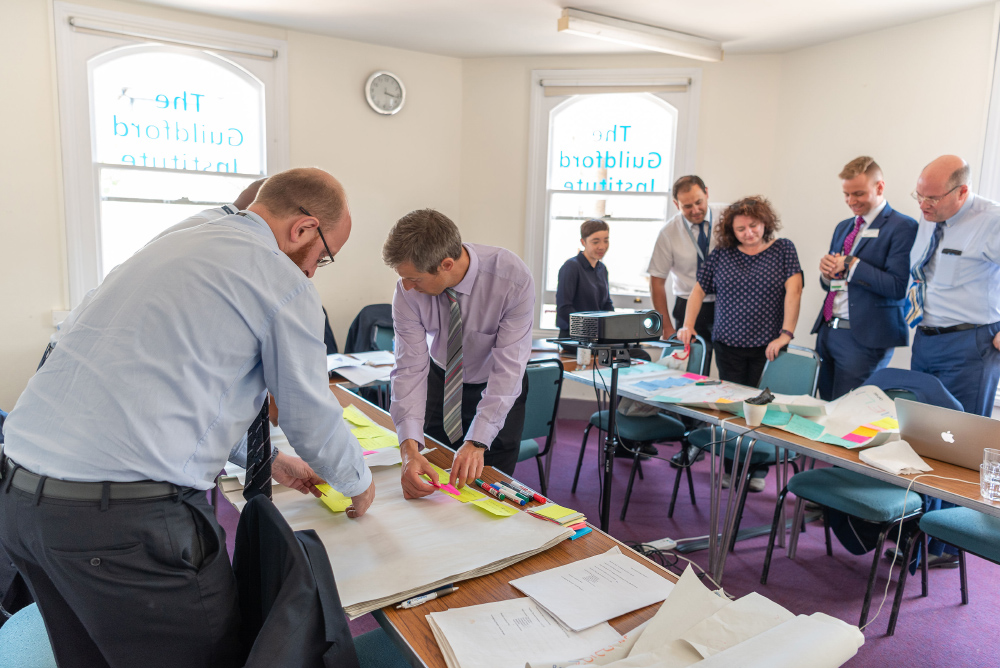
(583, 356)
(754, 414)
(989, 481)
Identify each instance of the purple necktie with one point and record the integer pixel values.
(848, 245)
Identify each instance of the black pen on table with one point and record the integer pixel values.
(429, 596)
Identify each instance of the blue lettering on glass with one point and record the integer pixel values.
(231, 137)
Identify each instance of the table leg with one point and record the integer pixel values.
(782, 481)
(715, 490)
(741, 467)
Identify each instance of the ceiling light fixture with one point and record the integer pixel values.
(630, 33)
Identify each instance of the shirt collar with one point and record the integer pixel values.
(584, 262)
(708, 218)
(961, 212)
(465, 285)
(250, 221)
(874, 213)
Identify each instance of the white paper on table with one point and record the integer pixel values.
(594, 590)
(337, 361)
(363, 374)
(814, 641)
(688, 604)
(858, 407)
(895, 457)
(384, 457)
(601, 657)
(741, 620)
(798, 404)
(376, 357)
(509, 634)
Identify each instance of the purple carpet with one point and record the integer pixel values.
(933, 631)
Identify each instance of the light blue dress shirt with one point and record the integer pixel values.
(963, 277)
(164, 368)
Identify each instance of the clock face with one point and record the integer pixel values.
(385, 93)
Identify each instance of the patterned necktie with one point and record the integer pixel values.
(848, 245)
(258, 480)
(918, 288)
(453, 374)
(702, 244)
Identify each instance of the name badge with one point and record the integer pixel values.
(870, 234)
(838, 285)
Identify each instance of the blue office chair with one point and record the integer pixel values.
(635, 432)
(24, 642)
(376, 650)
(545, 377)
(878, 503)
(790, 373)
(383, 338)
(967, 529)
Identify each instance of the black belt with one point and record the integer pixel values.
(838, 323)
(934, 331)
(54, 488)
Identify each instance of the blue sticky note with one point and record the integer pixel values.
(582, 532)
(776, 418)
(805, 428)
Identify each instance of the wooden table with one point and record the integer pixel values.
(409, 628)
(722, 524)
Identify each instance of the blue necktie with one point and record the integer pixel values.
(702, 244)
(918, 288)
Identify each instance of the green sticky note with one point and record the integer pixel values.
(665, 400)
(834, 440)
(554, 512)
(776, 418)
(498, 508)
(368, 432)
(804, 427)
(356, 417)
(333, 499)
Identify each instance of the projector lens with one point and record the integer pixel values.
(652, 324)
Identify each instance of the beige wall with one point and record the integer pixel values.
(389, 165)
(781, 125)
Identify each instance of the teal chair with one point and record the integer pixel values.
(545, 378)
(376, 650)
(383, 338)
(795, 373)
(967, 529)
(635, 432)
(24, 642)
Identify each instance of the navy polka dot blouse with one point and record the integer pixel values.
(750, 292)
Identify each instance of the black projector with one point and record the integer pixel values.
(608, 327)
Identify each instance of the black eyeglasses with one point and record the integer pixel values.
(323, 261)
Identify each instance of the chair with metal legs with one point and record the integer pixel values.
(545, 377)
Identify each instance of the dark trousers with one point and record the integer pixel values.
(504, 449)
(965, 362)
(141, 583)
(846, 364)
(703, 326)
(744, 366)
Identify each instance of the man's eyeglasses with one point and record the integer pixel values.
(323, 261)
(933, 200)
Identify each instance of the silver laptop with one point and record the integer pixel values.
(950, 436)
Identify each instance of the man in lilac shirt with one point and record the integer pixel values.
(495, 294)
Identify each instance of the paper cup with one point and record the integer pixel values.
(754, 414)
(583, 356)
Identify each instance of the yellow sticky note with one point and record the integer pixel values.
(382, 441)
(723, 400)
(886, 423)
(554, 512)
(498, 508)
(367, 432)
(467, 494)
(333, 499)
(356, 417)
(443, 476)
(865, 431)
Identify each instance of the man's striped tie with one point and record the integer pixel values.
(914, 307)
(258, 480)
(453, 375)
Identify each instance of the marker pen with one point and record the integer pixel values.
(490, 490)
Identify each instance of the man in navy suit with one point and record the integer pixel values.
(865, 275)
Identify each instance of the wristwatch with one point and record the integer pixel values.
(848, 261)
(790, 335)
(480, 445)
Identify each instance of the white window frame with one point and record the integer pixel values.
(263, 57)
(536, 216)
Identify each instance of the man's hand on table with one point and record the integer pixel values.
(415, 464)
(295, 473)
(467, 465)
(361, 502)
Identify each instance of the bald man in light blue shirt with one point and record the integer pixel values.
(957, 325)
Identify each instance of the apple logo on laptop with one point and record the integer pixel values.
(947, 437)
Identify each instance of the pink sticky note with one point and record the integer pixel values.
(369, 452)
(450, 489)
(694, 376)
(855, 438)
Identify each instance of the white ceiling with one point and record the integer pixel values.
(480, 28)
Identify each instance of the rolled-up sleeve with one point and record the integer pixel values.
(510, 357)
(409, 376)
(293, 356)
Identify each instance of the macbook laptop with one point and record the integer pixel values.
(947, 435)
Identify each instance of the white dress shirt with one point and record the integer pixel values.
(164, 368)
(675, 255)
